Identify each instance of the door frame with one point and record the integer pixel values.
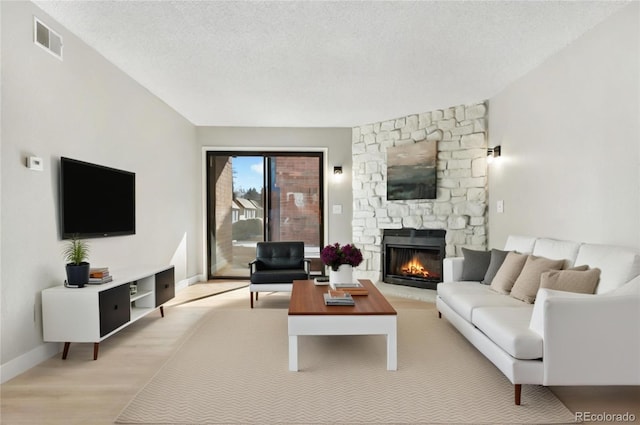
(203, 183)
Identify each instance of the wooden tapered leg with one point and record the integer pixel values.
(251, 298)
(162, 311)
(65, 351)
(439, 315)
(96, 345)
(517, 392)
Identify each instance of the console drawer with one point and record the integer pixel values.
(114, 306)
(165, 286)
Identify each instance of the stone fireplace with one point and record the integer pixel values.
(413, 257)
(459, 210)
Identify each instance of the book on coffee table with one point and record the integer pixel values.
(333, 297)
(355, 288)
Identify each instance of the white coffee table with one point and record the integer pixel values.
(371, 315)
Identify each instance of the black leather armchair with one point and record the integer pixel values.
(276, 266)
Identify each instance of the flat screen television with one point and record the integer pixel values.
(96, 201)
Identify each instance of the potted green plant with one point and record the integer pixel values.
(76, 253)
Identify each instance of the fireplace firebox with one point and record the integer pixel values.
(413, 257)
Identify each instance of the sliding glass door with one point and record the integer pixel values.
(253, 197)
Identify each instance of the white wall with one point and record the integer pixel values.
(570, 137)
(85, 108)
(336, 140)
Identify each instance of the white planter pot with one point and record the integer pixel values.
(344, 274)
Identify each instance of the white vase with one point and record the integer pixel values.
(344, 274)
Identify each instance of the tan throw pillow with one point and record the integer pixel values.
(526, 286)
(583, 282)
(508, 272)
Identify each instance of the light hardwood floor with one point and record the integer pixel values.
(86, 392)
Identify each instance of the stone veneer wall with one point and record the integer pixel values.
(460, 207)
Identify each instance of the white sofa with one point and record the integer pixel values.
(564, 338)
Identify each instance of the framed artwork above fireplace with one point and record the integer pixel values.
(411, 171)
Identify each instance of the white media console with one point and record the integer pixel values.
(95, 312)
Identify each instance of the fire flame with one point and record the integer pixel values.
(414, 268)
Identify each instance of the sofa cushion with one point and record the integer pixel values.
(528, 281)
(630, 288)
(450, 290)
(617, 265)
(475, 264)
(497, 258)
(557, 250)
(508, 327)
(508, 272)
(582, 281)
(464, 297)
(521, 244)
(581, 268)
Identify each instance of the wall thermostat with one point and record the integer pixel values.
(34, 163)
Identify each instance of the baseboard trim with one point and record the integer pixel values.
(189, 281)
(21, 364)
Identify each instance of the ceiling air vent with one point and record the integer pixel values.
(46, 38)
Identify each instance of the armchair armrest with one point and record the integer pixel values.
(452, 269)
(589, 339)
(252, 266)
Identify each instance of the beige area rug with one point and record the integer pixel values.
(233, 369)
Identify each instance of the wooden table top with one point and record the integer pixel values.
(307, 299)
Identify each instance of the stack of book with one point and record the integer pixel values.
(99, 275)
(355, 288)
(334, 297)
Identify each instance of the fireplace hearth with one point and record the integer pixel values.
(413, 257)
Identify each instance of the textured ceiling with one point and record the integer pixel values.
(324, 63)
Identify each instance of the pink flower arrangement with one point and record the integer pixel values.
(335, 255)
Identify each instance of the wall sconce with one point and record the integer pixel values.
(337, 170)
(493, 153)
